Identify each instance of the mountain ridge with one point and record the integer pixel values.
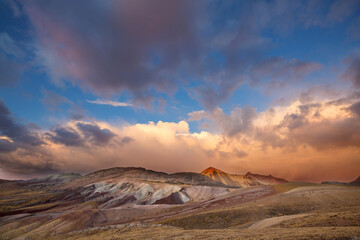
(249, 179)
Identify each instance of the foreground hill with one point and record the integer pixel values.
(249, 179)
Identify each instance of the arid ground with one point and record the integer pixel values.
(176, 209)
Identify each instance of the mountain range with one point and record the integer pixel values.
(69, 202)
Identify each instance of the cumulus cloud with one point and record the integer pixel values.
(286, 141)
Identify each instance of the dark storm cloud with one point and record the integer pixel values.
(22, 150)
(18, 132)
(95, 134)
(352, 72)
(66, 136)
(84, 134)
(7, 146)
(355, 108)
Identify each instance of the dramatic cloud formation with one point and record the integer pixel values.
(299, 137)
(155, 45)
(271, 87)
(18, 133)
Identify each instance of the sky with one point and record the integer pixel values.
(270, 87)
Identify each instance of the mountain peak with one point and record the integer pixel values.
(211, 170)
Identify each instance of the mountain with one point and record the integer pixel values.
(229, 179)
(334, 183)
(266, 180)
(142, 174)
(356, 182)
(4, 181)
(249, 179)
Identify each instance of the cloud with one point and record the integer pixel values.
(281, 71)
(123, 54)
(77, 113)
(10, 47)
(52, 100)
(17, 132)
(11, 57)
(111, 103)
(22, 147)
(14, 7)
(95, 134)
(286, 141)
(355, 108)
(352, 72)
(82, 134)
(11, 71)
(146, 52)
(7, 146)
(340, 10)
(66, 136)
(239, 121)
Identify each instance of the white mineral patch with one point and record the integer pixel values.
(144, 191)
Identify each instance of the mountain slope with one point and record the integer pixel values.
(229, 179)
(355, 182)
(246, 180)
(266, 180)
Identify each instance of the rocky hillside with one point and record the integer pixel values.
(246, 180)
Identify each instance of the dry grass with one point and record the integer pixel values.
(334, 214)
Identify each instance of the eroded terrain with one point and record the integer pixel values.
(141, 204)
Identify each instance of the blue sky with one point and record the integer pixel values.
(163, 60)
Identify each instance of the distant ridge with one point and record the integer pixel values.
(246, 180)
(356, 182)
(266, 180)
